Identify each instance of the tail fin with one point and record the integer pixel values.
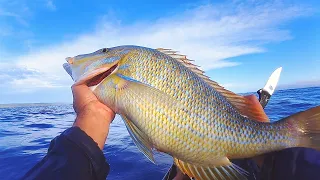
(307, 123)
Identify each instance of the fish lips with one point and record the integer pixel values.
(68, 69)
(92, 78)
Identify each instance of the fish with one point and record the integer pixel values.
(169, 105)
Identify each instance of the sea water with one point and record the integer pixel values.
(26, 131)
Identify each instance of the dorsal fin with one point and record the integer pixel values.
(247, 106)
(253, 100)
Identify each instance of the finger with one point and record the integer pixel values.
(82, 95)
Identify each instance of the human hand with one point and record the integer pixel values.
(93, 117)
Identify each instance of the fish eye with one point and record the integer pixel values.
(104, 50)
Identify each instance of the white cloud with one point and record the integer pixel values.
(50, 5)
(209, 34)
(22, 79)
(31, 82)
(301, 84)
(12, 14)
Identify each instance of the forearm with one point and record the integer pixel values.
(94, 119)
(71, 155)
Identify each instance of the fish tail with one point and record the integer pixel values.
(306, 127)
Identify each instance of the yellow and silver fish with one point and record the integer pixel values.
(168, 104)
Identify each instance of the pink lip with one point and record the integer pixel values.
(70, 60)
(96, 76)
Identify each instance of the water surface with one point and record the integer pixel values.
(26, 131)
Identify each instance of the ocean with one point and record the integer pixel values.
(26, 131)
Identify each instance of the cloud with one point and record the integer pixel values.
(13, 11)
(15, 16)
(21, 79)
(301, 84)
(33, 82)
(209, 34)
(50, 5)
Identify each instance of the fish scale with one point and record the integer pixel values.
(168, 104)
(154, 80)
(162, 62)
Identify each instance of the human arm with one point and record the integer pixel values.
(76, 153)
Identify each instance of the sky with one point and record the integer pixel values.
(238, 43)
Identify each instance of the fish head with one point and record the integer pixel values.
(92, 68)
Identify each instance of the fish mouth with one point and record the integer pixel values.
(95, 77)
(98, 78)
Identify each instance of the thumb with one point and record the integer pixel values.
(82, 95)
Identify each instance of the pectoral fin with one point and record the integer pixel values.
(139, 138)
(226, 172)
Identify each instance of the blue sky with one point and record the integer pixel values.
(238, 43)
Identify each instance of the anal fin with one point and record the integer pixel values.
(227, 172)
(139, 138)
